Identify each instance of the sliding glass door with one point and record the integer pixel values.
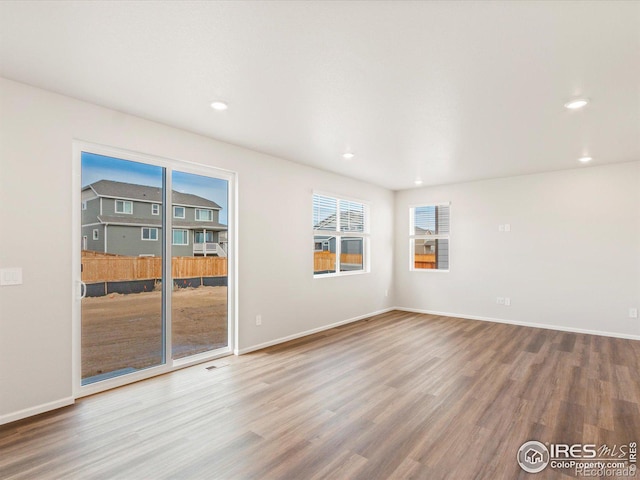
(121, 265)
(154, 249)
(199, 305)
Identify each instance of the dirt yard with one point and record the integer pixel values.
(125, 331)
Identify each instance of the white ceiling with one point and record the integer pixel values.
(447, 91)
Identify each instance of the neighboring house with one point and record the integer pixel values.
(425, 246)
(323, 243)
(430, 246)
(327, 243)
(126, 219)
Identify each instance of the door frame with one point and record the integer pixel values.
(79, 146)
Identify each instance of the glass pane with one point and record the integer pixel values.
(324, 255)
(122, 325)
(431, 220)
(325, 211)
(431, 254)
(351, 216)
(199, 306)
(178, 212)
(442, 254)
(351, 254)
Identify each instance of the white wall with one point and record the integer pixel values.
(275, 250)
(571, 260)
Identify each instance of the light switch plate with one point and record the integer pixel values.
(11, 276)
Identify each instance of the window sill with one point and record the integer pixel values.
(341, 274)
(434, 270)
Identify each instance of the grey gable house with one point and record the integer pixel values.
(327, 243)
(126, 219)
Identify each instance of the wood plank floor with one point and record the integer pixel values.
(399, 395)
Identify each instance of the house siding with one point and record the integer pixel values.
(94, 245)
(127, 239)
(90, 215)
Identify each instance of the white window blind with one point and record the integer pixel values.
(431, 220)
(325, 211)
(351, 216)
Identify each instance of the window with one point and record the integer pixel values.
(149, 233)
(429, 237)
(124, 206)
(340, 235)
(180, 237)
(204, 215)
(178, 212)
(96, 235)
(84, 205)
(155, 209)
(200, 237)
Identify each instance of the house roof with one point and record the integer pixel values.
(132, 191)
(353, 216)
(157, 222)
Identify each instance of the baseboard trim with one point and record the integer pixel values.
(522, 324)
(288, 338)
(29, 412)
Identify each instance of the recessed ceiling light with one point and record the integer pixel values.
(576, 103)
(585, 159)
(348, 155)
(418, 181)
(219, 105)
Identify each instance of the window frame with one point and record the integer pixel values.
(209, 210)
(142, 229)
(124, 204)
(184, 212)
(338, 234)
(95, 234)
(173, 238)
(437, 236)
(155, 209)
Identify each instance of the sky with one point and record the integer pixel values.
(99, 167)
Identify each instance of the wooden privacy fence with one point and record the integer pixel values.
(119, 268)
(425, 260)
(323, 261)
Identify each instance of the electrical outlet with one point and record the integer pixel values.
(633, 313)
(500, 300)
(501, 228)
(258, 320)
(386, 293)
(507, 301)
(507, 227)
